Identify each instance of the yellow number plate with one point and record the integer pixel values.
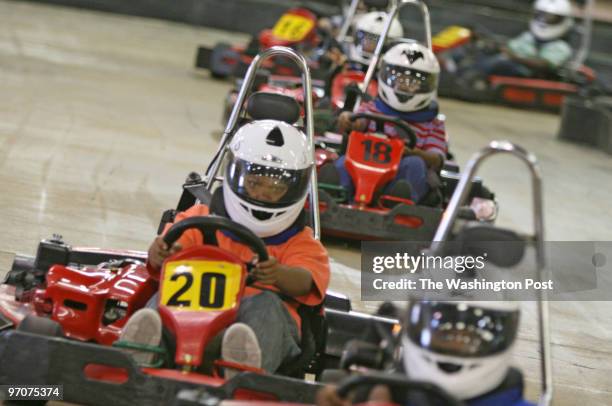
(291, 27)
(200, 285)
(450, 36)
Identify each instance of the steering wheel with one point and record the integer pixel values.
(397, 381)
(406, 132)
(209, 225)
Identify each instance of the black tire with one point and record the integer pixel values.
(218, 50)
(203, 58)
(41, 326)
(23, 263)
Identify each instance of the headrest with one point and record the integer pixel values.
(503, 247)
(274, 106)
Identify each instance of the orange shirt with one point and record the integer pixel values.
(301, 251)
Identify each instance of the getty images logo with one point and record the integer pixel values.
(412, 263)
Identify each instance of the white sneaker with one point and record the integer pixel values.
(240, 346)
(144, 327)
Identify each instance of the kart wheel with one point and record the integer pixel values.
(218, 69)
(41, 326)
(203, 58)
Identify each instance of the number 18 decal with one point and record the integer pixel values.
(201, 285)
(376, 151)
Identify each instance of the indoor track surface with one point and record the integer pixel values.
(102, 117)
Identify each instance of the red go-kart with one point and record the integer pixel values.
(296, 28)
(372, 161)
(59, 316)
(546, 92)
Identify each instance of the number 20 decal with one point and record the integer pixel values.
(212, 290)
(379, 152)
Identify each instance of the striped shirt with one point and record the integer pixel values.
(431, 135)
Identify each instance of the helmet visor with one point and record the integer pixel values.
(461, 330)
(547, 18)
(366, 41)
(408, 81)
(264, 185)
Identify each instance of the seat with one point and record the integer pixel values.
(273, 106)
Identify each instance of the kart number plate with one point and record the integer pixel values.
(374, 150)
(291, 27)
(451, 36)
(200, 285)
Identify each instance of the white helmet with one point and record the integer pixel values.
(463, 347)
(408, 77)
(367, 32)
(552, 19)
(267, 176)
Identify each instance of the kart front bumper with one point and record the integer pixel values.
(40, 360)
(398, 224)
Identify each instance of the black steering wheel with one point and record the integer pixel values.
(397, 381)
(209, 225)
(406, 133)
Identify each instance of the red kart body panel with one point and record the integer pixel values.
(342, 80)
(77, 298)
(526, 91)
(193, 329)
(372, 160)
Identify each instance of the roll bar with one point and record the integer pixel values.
(348, 19)
(391, 15)
(450, 215)
(212, 171)
(587, 31)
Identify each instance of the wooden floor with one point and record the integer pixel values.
(102, 117)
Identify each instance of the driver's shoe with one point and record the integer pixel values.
(144, 328)
(240, 346)
(401, 189)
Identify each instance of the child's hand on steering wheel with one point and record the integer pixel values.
(267, 272)
(159, 250)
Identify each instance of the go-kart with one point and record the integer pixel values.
(296, 28)
(62, 311)
(545, 91)
(375, 358)
(372, 161)
(60, 323)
